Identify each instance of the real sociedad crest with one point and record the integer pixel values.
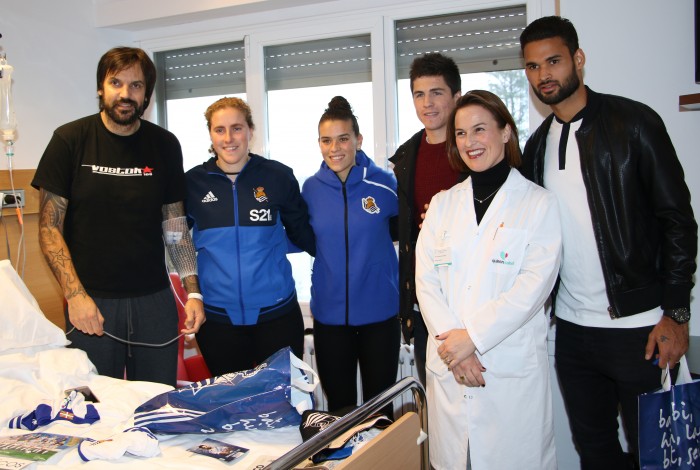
(370, 205)
(259, 194)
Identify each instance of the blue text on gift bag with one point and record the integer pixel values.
(669, 424)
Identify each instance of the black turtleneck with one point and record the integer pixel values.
(486, 184)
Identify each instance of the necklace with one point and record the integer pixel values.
(481, 201)
(232, 173)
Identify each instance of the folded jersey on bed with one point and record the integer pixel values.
(136, 441)
(71, 408)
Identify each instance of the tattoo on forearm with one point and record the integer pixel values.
(191, 284)
(59, 258)
(60, 264)
(53, 212)
(663, 339)
(76, 292)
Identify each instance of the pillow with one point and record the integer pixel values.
(24, 324)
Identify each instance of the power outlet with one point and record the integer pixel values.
(8, 198)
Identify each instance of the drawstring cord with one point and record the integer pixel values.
(136, 343)
(130, 328)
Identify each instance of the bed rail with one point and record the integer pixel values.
(322, 439)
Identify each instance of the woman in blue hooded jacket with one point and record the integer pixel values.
(243, 210)
(354, 292)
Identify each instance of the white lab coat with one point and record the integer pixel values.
(492, 279)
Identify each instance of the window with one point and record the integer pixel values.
(193, 79)
(486, 47)
(301, 79)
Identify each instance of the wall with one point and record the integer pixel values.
(29, 261)
(54, 48)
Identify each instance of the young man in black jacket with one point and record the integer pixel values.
(629, 243)
(422, 170)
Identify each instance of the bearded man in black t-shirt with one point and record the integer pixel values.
(112, 187)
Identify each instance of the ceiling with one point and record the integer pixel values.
(137, 15)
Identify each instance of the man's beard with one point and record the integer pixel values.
(119, 118)
(566, 89)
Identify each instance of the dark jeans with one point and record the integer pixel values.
(228, 348)
(339, 349)
(600, 369)
(149, 319)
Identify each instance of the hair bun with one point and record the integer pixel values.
(340, 110)
(339, 103)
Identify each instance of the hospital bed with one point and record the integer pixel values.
(35, 366)
(403, 445)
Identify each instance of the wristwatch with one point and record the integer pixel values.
(679, 315)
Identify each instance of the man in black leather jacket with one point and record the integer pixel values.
(629, 243)
(422, 170)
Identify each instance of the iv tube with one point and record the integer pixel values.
(8, 123)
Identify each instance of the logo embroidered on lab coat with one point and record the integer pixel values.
(503, 259)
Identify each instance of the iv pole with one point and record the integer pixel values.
(8, 131)
(8, 122)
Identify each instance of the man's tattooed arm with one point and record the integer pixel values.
(182, 253)
(186, 249)
(53, 246)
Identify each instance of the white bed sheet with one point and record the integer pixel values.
(36, 367)
(26, 380)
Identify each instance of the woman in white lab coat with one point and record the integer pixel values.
(486, 260)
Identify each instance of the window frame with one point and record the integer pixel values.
(379, 22)
(336, 28)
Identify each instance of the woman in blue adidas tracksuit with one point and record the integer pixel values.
(354, 293)
(242, 208)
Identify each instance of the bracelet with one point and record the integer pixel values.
(195, 295)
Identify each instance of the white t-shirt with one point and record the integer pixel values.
(581, 298)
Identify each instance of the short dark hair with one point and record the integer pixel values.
(493, 104)
(550, 27)
(339, 109)
(435, 64)
(119, 58)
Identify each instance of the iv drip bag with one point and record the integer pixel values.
(8, 123)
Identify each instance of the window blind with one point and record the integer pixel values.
(318, 63)
(480, 41)
(217, 69)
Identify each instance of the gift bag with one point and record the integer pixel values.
(272, 395)
(669, 423)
